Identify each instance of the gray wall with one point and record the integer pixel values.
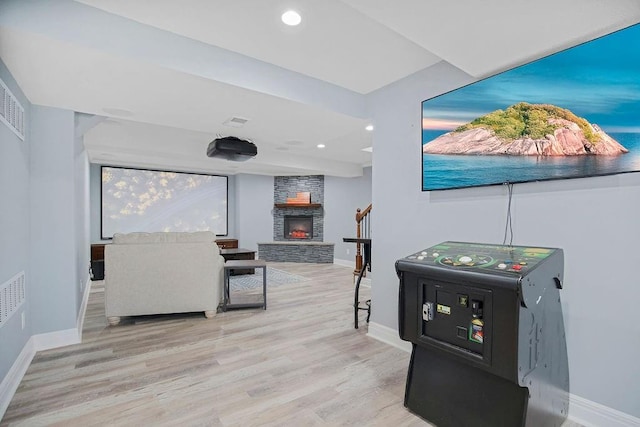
(81, 196)
(53, 243)
(94, 202)
(14, 225)
(254, 210)
(43, 223)
(342, 197)
(593, 219)
(231, 208)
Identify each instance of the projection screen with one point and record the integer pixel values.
(147, 200)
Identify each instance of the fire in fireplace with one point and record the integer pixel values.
(298, 227)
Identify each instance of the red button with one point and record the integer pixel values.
(517, 267)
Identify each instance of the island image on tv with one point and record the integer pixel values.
(569, 115)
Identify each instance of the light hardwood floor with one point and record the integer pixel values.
(298, 363)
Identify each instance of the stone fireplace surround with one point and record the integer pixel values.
(293, 250)
(288, 186)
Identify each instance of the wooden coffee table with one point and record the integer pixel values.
(237, 254)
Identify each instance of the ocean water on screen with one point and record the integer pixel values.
(454, 171)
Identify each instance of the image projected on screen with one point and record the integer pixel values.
(135, 200)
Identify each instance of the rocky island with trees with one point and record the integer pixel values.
(527, 130)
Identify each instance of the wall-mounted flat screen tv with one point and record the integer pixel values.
(135, 200)
(573, 114)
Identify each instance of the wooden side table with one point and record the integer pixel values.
(227, 243)
(242, 264)
(234, 254)
(96, 267)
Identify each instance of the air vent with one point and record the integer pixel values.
(12, 296)
(235, 122)
(11, 112)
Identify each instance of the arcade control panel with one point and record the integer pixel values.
(464, 297)
(513, 260)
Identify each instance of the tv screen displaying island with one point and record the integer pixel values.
(140, 200)
(572, 114)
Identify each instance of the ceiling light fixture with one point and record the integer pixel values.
(369, 128)
(291, 17)
(235, 122)
(320, 145)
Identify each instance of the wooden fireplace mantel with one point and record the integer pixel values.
(298, 205)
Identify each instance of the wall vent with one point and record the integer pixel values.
(12, 296)
(11, 112)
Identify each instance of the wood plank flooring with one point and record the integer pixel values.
(299, 363)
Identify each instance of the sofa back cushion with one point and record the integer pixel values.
(164, 237)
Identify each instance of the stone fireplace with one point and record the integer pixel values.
(297, 227)
(288, 186)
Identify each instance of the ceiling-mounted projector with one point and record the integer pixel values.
(232, 148)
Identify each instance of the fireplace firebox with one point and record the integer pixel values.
(298, 227)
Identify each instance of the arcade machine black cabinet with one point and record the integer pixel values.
(486, 326)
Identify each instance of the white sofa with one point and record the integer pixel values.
(157, 273)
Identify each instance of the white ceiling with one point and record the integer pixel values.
(167, 74)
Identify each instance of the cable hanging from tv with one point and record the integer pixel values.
(508, 227)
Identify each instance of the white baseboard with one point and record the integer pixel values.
(12, 380)
(345, 263)
(36, 343)
(83, 308)
(592, 414)
(388, 336)
(581, 410)
(56, 339)
(366, 281)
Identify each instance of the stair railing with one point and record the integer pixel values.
(363, 230)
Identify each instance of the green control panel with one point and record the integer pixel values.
(482, 257)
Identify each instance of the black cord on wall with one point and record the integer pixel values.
(508, 227)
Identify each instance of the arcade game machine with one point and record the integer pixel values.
(486, 327)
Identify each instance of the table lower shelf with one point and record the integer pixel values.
(244, 305)
(229, 267)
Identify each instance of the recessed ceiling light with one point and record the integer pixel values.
(320, 146)
(291, 17)
(369, 128)
(368, 149)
